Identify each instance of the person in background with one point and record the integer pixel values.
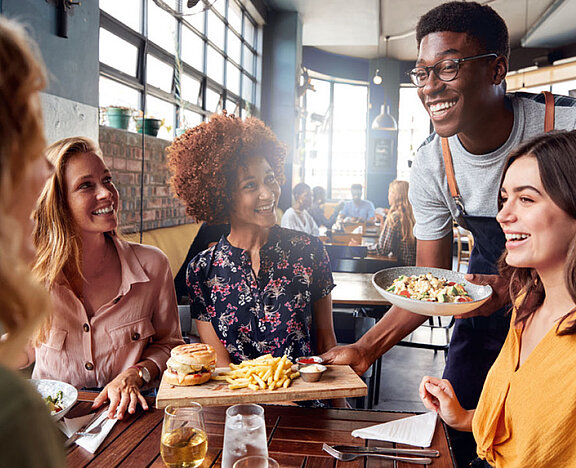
(460, 73)
(396, 238)
(262, 289)
(526, 413)
(357, 210)
(207, 236)
(28, 436)
(317, 208)
(297, 217)
(115, 317)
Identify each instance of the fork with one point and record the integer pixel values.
(353, 456)
(95, 430)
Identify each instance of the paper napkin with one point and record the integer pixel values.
(89, 442)
(414, 430)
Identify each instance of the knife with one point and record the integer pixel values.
(387, 450)
(77, 434)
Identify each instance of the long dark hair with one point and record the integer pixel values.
(555, 153)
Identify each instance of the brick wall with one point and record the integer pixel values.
(123, 154)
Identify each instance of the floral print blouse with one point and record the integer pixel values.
(270, 313)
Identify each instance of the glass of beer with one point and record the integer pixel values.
(244, 433)
(184, 440)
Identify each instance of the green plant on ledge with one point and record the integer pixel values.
(118, 116)
(150, 125)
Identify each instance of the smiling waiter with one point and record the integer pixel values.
(463, 50)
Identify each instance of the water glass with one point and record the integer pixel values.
(256, 461)
(244, 434)
(184, 440)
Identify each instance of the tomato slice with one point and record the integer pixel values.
(451, 283)
(465, 299)
(404, 293)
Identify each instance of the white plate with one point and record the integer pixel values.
(383, 279)
(51, 387)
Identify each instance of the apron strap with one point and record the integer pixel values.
(549, 112)
(447, 154)
(449, 168)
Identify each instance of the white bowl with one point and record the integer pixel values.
(51, 387)
(383, 279)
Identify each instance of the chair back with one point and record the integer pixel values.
(350, 327)
(185, 321)
(465, 244)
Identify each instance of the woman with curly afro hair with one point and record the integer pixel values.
(262, 289)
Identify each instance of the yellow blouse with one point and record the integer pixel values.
(526, 416)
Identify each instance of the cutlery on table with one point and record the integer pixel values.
(387, 450)
(81, 432)
(347, 456)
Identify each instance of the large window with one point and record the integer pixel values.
(334, 136)
(177, 63)
(413, 129)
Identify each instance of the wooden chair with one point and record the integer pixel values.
(465, 244)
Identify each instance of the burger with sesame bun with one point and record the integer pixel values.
(190, 364)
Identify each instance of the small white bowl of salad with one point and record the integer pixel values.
(59, 396)
(430, 291)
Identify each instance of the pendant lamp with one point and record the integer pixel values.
(385, 120)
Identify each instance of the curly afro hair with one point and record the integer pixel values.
(478, 21)
(204, 163)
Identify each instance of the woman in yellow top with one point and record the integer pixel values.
(526, 413)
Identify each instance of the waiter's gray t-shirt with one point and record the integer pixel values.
(477, 176)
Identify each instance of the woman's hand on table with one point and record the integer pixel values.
(438, 396)
(500, 294)
(352, 355)
(123, 393)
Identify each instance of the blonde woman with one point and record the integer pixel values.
(396, 238)
(115, 317)
(27, 435)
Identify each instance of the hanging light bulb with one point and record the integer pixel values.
(377, 80)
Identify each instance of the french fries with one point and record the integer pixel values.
(263, 373)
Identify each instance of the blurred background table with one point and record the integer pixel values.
(295, 438)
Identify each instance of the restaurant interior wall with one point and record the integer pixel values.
(70, 101)
(281, 61)
(123, 154)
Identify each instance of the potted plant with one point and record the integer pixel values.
(118, 116)
(149, 125)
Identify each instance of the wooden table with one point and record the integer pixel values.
(356, 290)
(295, 438)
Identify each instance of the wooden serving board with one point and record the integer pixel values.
(337, 382)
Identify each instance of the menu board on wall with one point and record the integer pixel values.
(384, 153)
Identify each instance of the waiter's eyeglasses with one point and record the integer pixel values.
(445, 70)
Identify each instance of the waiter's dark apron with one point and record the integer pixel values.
(476, 341)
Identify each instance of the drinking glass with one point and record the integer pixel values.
(256, 461)
(184, 440)
(244, 433)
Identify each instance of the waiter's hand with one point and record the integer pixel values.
(500, 294)
(353, 355)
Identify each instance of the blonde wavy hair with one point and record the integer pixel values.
(401, 208)
(23, 300)
(58, 243)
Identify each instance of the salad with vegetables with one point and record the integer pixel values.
(54, 403)
(429, 288)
